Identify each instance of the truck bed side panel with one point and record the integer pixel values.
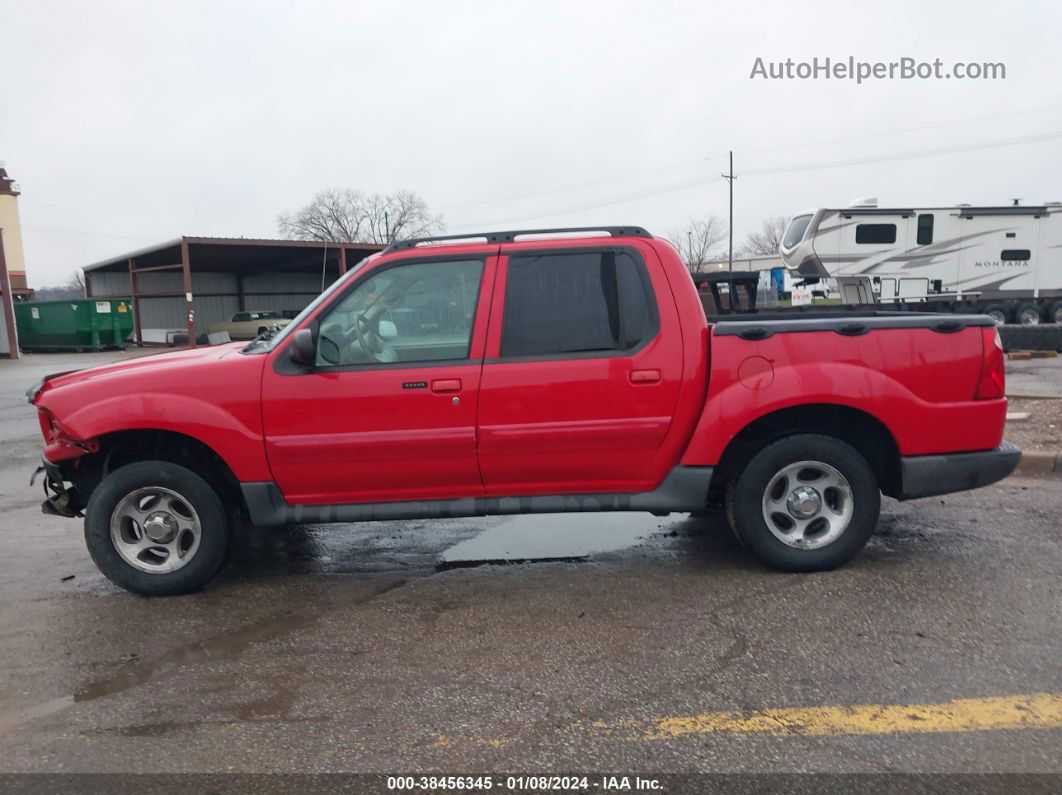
(917, 382)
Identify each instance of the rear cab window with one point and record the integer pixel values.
(577, 302)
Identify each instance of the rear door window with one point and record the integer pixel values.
(576, 302)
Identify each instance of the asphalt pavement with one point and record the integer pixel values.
(623, 642)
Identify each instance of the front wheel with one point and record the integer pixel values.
(805, 503)
(156, 529)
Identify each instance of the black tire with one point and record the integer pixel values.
(998, 312)
(1028, 314)
(208, 557)
(746, 501)
(1054, 313)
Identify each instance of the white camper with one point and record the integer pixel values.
(1003, 261)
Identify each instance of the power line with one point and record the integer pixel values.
(578, 186)
(777, 170)
(941, 150)
(899, 131)
(642, 194)
(83, 233)
(757, 150)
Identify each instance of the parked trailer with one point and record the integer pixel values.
(1002, 261)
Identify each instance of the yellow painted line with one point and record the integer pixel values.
(1023, 711)
(1029, 711)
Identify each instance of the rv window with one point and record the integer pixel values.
(876, 233)
(1015, 255)
(925, 229)
(795, 233)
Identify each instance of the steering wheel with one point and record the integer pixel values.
(381, 352)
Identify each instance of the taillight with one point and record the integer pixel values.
(991, 385)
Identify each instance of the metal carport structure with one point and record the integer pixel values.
(192, 282)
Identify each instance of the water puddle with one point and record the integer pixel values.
(552, 537)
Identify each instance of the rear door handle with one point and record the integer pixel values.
(645, 376)
(446, 385)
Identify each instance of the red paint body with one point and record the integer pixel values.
(491, 427)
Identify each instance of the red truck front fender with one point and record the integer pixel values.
(238, 442)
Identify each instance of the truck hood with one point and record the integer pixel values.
(141, 366)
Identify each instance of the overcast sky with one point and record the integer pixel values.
(130, 123)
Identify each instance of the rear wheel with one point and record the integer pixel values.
(156, 529)
(1028, 315)
(805, 503)
(997, 312)
(1054, 314)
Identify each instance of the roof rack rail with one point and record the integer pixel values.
(509, 237)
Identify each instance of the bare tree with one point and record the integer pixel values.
(75, 283)
(769, 239)
(72, 288)
(350, 216)
(698, 241)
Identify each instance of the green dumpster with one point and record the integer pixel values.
(84, 324)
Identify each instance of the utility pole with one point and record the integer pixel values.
(730, 236)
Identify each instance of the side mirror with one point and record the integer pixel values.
(387, 330)
(303, 349)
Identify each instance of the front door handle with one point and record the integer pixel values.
(645, 376)
(446, 385)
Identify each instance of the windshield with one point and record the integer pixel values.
(795, 233)
(271, 343)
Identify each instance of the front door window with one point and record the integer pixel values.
(421, 312)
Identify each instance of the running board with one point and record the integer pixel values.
(685, 489)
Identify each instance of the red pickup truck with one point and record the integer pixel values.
(523, 372)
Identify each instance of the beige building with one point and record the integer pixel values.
(13, 286)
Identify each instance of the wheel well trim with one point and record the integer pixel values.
(889, 473)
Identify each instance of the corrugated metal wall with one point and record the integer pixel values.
(297, 290)
(215, 294)
(108, 283)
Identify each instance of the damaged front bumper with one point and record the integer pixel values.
(59, 499)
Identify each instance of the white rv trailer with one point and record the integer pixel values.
(1002, 261)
